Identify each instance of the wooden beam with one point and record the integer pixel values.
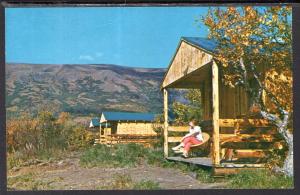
(244, 122)
(252, 144)
(221, 171)
(174, 139)
(247, 138)
(166, 124)
(178, 128)
(215, 113)
(250, 153)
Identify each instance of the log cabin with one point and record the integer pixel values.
(236, 138)
(125, 127)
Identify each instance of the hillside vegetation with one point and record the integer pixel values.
(82, 89)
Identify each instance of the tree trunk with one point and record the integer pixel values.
(280, 122)
(288, 166)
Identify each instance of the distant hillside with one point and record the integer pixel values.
(83, 89)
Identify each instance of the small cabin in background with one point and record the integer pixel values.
(116, 127)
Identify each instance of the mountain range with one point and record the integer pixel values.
(83, 89)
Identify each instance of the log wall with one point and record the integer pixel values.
(136, 128)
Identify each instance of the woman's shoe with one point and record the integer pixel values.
(176, 147)
(179, 151)
(184, 155)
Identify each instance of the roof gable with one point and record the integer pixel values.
(95, 122)
(191, 54)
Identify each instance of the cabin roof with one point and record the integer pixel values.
(204, 43)
(95, 122)
(128, 116)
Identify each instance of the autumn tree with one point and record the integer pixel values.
(255, 51)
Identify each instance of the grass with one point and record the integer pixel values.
(259, 179)
(125, 182)
(146, 185)
(27, 182)
(20, 158)
(131, 155)
(122, 155)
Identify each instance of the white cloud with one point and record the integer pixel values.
(91, 57)
(86, 57)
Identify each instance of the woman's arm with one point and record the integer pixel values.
(189, 134)
(195, 131)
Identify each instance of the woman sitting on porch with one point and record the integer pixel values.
(192, 138)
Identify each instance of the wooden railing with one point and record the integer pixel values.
(243, 122)
(236, 124)
(145, 139)
(240, 140)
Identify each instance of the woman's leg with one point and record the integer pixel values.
(195, 141)
(178, 146)
(188, 143)
(182, 144)
(187, 140)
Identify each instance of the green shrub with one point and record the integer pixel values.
(43, 136)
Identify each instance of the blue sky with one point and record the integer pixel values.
(130, 36)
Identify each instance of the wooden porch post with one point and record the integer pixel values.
(215, 113)
(165, 122)
(100, 133)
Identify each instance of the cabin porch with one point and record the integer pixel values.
(237, 140)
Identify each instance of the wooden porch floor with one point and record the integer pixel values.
(201, 161)
(207, 162)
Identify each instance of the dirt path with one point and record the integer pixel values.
(67, 174)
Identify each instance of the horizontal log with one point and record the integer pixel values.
(246, 137)
(243, 165)
(245, 160)
(221, 171)
(256, 145)
(244, 122)
(117, 138)
(178, 128)
(236, 138)
(174, 139)
(134, 141)
(132, 136)
(250, 153)
(259, 131)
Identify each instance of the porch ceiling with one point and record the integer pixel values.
(194, 79)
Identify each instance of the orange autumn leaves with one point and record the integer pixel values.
(261, 36)
(45, 131)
